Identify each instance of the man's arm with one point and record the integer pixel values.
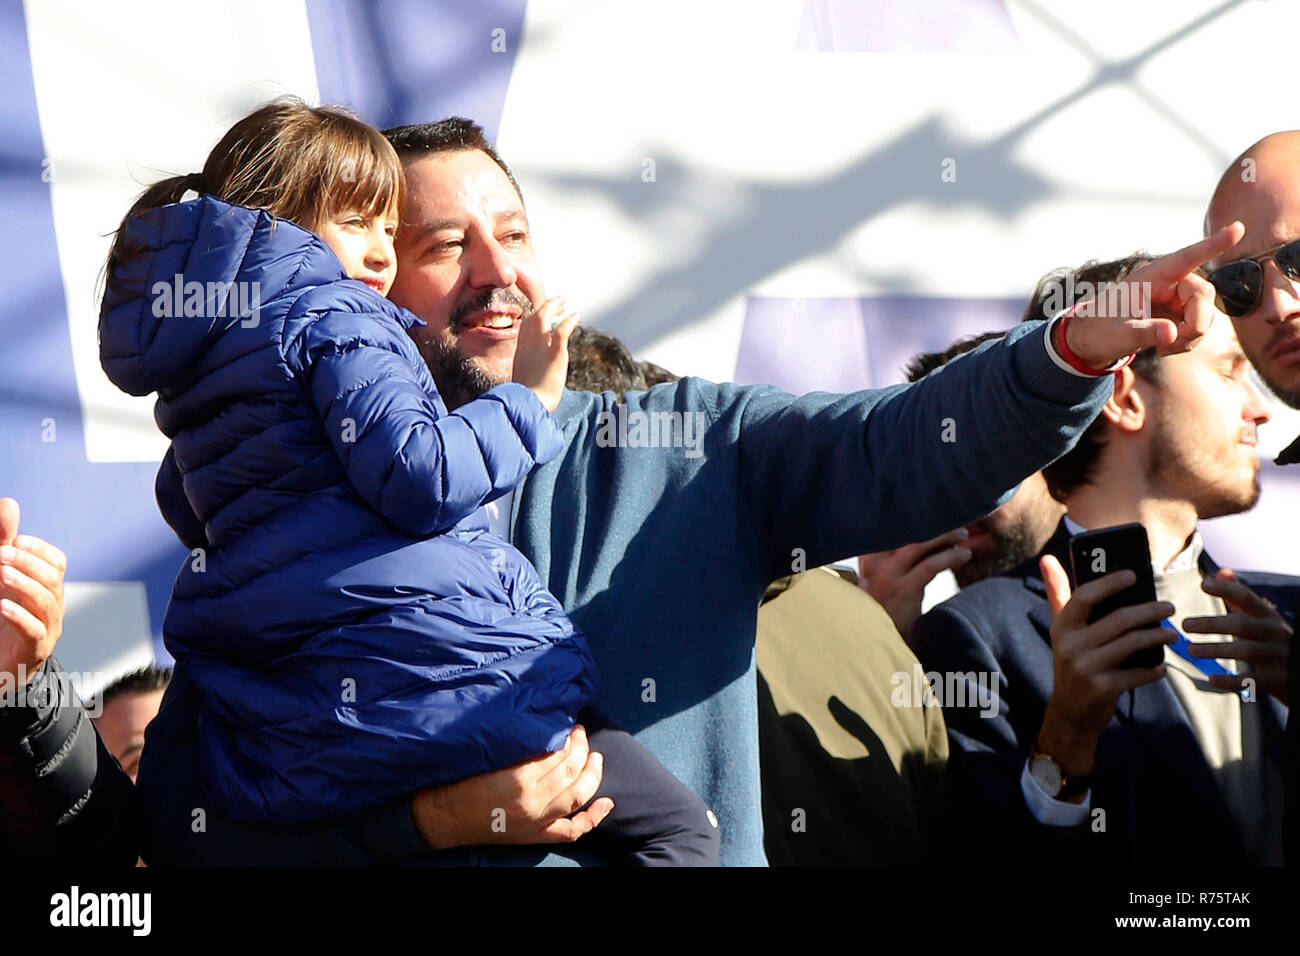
(838, 476)
(842, 475)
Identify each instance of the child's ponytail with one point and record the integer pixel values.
(162, 193)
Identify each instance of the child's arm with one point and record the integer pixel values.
(422, 468)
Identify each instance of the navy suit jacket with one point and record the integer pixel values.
(1161, 800)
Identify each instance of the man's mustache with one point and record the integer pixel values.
(1284, 333)
(489, 299)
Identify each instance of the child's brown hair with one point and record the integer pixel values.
(301, 163)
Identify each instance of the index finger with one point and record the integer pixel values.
(43, 550)
(1087, 596)
(1178, 264)
(1237, 596)
(568, 829)
(910, 554)
(563, 329)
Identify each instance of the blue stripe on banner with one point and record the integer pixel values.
(102, 515)
(410, 61)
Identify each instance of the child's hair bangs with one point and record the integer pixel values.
(364, 174)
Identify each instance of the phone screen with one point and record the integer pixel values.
(1095, 554)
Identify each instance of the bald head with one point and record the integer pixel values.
(1262, 189)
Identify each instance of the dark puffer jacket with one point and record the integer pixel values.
(354, 629)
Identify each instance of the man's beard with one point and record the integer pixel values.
(1011, 546)
(1289, 397)
(1286, 397)
(1172, 469)
(458, 377)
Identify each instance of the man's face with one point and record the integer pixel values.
(1269, 207)
(466, 267)
(1203, 412)
(121, 726)
(1013, 533)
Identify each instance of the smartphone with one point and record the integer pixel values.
(1095, 554)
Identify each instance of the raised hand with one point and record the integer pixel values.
(31, 596)
(1262, 637)
(542, 352)
(897, 578)
(1167, 306)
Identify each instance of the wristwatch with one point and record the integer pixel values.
(1047, 773)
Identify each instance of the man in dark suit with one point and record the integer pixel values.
(1104, 764)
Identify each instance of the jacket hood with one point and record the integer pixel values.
(203, 266)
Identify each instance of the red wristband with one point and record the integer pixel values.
(1073, 360)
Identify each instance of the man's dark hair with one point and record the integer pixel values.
(599, 362)
(656, 374)
(141, 681)
(450, 135)
(923, 363)
(1078, 466)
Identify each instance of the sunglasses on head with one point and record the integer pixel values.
(1240, 283)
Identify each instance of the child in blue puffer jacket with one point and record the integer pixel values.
(356, 631)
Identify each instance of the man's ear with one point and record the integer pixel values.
(1125, 408)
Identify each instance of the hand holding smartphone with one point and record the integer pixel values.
(1095, 554)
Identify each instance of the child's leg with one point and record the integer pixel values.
(657, 820)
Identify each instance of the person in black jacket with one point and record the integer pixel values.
(61, 792)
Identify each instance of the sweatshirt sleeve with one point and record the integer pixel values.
(422, 468)
(841, 475)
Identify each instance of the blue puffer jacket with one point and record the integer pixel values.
(354, 628)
